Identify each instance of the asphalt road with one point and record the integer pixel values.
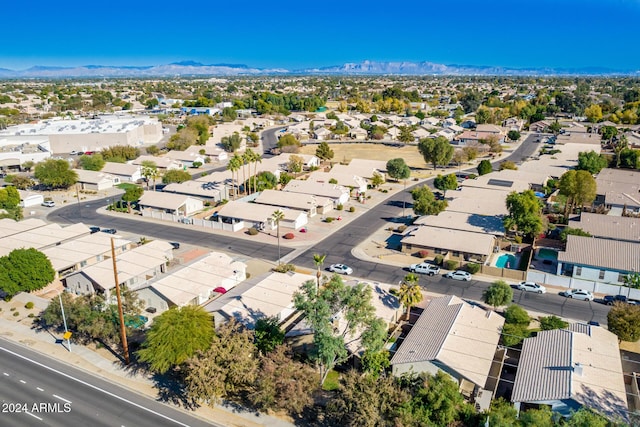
(269, 140)
(65, 396)
(86, 213)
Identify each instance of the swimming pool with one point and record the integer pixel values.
(545, 253)
(507, 261)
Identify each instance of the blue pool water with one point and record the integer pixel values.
(545, 253)
(505, 259)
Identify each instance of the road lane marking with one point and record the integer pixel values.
(23, 381)
(61, 398)
(5, 374)
(39, 389)
(108, 393)
(34, 416)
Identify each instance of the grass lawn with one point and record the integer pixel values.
(332, 381)
(125, 185)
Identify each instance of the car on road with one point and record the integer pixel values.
(531, 287)
(94, 229)
(612, 299)
(340, 269)
(75, 153)
(49, 203)
(580, 294)
(109, 230)
(459, 275)
(424, 268)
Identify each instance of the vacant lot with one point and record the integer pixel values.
(346, 152)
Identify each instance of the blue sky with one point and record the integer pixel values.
(298, 34)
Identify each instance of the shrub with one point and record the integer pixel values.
(29, 305)
(401, 228)
(423, 253)
(339, 207)
(329, 219)
(288, 236)
(12, 309)
(284, 268)
(31, 315)
(472, 267)
(514, 314)
(352, 209)
(252, 231)
(450, 264)
(517, 239)
(437, 260)
(472, 176)
(16, 314)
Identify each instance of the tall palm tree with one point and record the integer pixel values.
(253, 157)
(318, 260)
(256, 159)
(249, 155)
(277, 216)
(410, 293)
(244, 159)
(233, 166)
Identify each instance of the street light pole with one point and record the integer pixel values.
(123, 331)
(64, 320)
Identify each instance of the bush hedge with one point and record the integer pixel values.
(288, 236)
(437, 260)
(472, 267)
(252, 231)
(450, 264)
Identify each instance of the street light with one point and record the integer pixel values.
(67, 334)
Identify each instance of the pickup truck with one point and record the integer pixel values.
(424, 268)
(612, 299)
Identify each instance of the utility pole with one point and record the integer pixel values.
(123, 332)
(67, 334)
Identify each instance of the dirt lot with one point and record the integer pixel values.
(346, 152)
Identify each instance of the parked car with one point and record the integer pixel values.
(175, 245)
(340, 269)
(424, 268)
(49, 203)
(580, 294)
(531, 287)
(94, 229)
(611, 299)
(75, 153)
(459, 275)
(109, 230)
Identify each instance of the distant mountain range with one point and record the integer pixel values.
(193, 69)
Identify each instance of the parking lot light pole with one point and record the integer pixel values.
(64, 320)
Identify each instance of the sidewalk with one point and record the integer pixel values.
(104, 365)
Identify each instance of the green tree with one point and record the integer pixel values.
(568, 231)
(593, 113)
(132, 194)
(288, 140)
(9, 197)
(276, 217)
(282, 383)
(55, 173)
(513, 135)
(508, 164)
(318, 261)
(95, 162)
(516, 315)
(579, 187)
(25, 270)
(446, 182)
(632, 280)
(265, 180)
(398, 169)
(498, 294)
(542, 417)
(552, 322)
(150, 172)
(231, 143)
(437, 151)
(176, 175)
(21, 182)
(585, 417)
(120, 153)
(405, 134)
(375, 358)
(320, 305)
(502, 414)
(624, 321)
(324, 152)
(226, 367)
(484, 167)
(268, 334)
(295, 164)
(591, 162)
(175, 336)
(377, 180)
(524, 213)
(629, 158)
(608, 133)
(555, 127)
(233, 166)
(410, 292)
(425, 203)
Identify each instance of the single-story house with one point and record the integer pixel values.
(618, 189)
(193, 284)
(307, 203)
(464, 221)
(481, 201)
(451, 244)
(474, 137)
(539, 127)
(344, 178)
(126, 172)
(96, 180)
(214, 152)
(177, 204)
(513, 123)
(135, 268)
(322, 134)
(453, 336)
(359, 134)
(567, 369)
(34, 233)
(337, 193)
(608, 226)
(187, 158)
(162, 163)
(246, 215)
(207, 191)
(267, 295)
(599, 260)
(364, 168)
(28, 199)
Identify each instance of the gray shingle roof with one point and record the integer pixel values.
(610, 227)
(604, 253)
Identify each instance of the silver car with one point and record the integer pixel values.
(580, 294)
(531, 287)
(459, 275)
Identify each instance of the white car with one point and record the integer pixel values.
(424, 268)
(49, 204)
(580, 294)
(459, 275)
(341, 269)
(531, 287)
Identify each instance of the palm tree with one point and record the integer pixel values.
(277, 216)
(150, 172)
(253, 157)
(250, 157)
(256, 159)
(410, 292)
(244, 159)
(318, 260)
(234, 166)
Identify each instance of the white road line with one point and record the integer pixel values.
(34, 416)
(108, 393)
(39, 389)
(61, 398)
(23, 381)
(5, 374)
